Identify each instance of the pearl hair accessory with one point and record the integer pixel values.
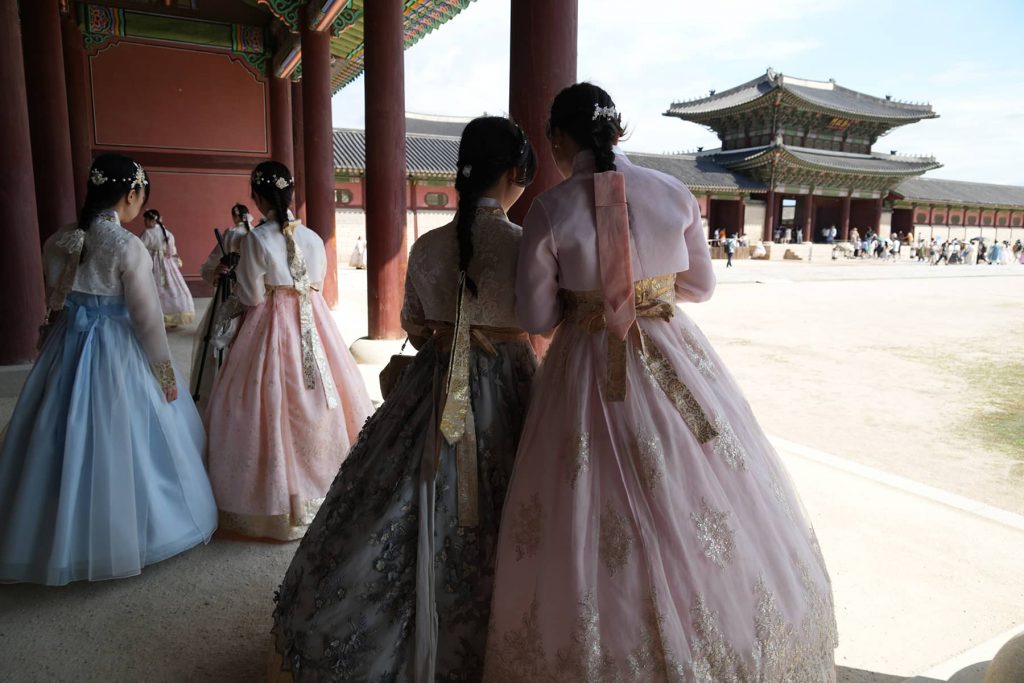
(467, 170)
(279, 182)
(138, 179)
(600, 112)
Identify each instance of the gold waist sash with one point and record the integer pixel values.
(457, 423)
(655, 298)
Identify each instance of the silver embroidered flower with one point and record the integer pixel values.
(281, 183)
(139, 180)
(467, 170)
(714, 533)
(72, 241)
(96, 177)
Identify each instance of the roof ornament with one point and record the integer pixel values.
(772, 74)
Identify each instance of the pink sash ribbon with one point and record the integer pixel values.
(614, 255)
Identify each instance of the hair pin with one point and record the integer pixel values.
(600, 112)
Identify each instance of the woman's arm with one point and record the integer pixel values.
(696, 283)
(538, 308)
(251, 272)
(143, 303)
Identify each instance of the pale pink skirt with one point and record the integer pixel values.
(274, 445)
(631, 551)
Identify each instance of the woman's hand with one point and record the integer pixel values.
(222, 269)
(171, 393)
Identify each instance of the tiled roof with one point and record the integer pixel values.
(843, 162)
(960, 192)
(695, 172)
(426, 155)
(435, 125)
(823, 94)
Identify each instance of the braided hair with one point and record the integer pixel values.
(586, 113)
(272, 181)
(241, 214)
(154, 215)
(111, 178)
(490, 146)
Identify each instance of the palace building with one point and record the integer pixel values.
(795, 153)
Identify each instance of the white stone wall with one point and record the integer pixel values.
(350, 224)
(753, 220)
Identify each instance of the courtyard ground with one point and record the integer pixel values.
(892, 392)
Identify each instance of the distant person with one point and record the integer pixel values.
(730, 250)
(358, 258)
(777, 235)
(787, 235)
(175, 297)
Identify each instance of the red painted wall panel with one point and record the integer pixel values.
(172, 98)
(356, 188)
(421, 197)
(192, 205)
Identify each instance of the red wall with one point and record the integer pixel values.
(356, 188)
(193, 203)
(163, 97)
(196, 118)
(421, 191)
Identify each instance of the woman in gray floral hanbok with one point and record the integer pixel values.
(393, 580)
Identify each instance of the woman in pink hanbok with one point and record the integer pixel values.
(650, 531)
(289, 401)
(175, 299)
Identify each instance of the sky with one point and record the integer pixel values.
(964, 58)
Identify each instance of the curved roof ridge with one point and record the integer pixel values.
(765, 77)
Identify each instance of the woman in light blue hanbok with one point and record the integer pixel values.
(101, 468)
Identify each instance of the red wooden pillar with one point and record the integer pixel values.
(282, 146)
(76, 75)
(542, 61)
(844, 219)
(809, 218)
(385, 180)
(48, 114)
(768, 231)
(298, 150)
(318, 146)
(877, 217)
(21, 273)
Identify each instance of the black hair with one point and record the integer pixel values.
(273, 181)
(242, 211)
(586, 113)
(154, 215)
(111, 177)
(490, 146)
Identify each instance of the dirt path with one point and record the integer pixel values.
(911, 375)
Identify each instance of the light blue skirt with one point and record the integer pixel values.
(99, 474)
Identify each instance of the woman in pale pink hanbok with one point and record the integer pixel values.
(650, 532)
(289, 401)
(175, 298)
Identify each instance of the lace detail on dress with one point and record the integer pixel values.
(577, 457)
(105, 244)
(615, 545)
(526, 528)
(801, 653)
(434, 259)
(715, 533)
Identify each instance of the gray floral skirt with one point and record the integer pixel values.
(346, 610)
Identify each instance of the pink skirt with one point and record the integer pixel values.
(175, 298)
(636, 547)
(274, 445)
